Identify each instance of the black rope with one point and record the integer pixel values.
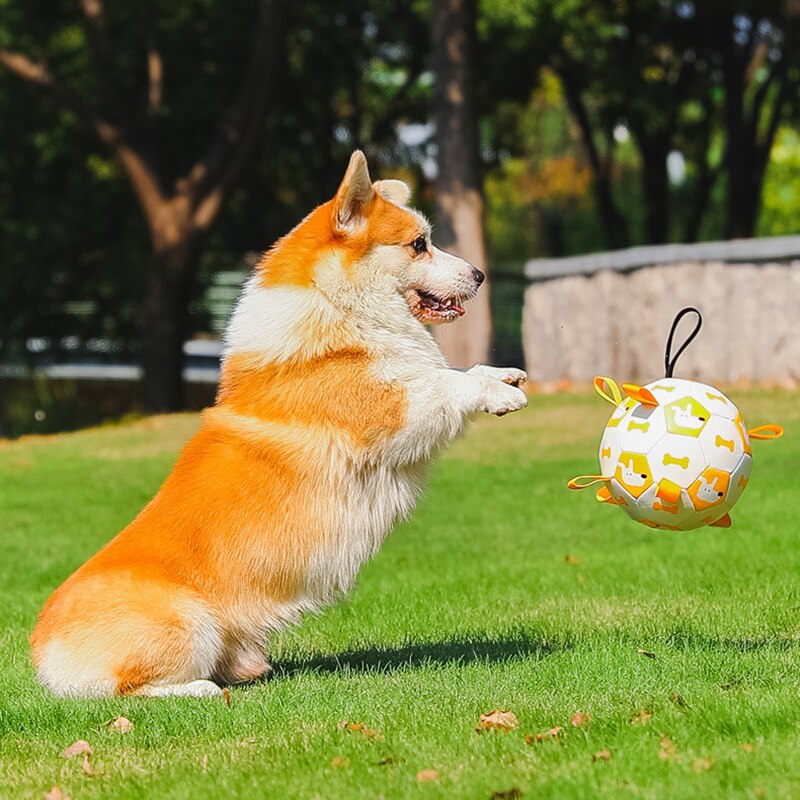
(669, 363)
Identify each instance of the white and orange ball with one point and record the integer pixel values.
(681, 463)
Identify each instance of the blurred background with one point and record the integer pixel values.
(150, 151)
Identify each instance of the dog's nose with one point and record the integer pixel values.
(478, 276)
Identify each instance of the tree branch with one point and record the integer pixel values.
(777, 70)
(144, 182)
(38, 74)
(226, 155)
(155, 76)
(764, 147)
(97, 32)
(30, 71)
(614, 225)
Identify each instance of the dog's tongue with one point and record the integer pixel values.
(451, 305)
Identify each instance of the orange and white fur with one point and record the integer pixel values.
(333, 399)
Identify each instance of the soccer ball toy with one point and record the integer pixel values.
(675, 453)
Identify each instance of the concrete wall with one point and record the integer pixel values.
(614, 322)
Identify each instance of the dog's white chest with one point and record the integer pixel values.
(365, 506)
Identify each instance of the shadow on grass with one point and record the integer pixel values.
(479, 647)
(464, 650)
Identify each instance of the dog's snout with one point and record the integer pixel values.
(478, 276)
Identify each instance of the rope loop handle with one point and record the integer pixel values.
(611, 394)
(766, 432)
(585, 481)
(669, 359)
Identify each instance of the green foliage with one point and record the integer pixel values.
(670, 74)
(470, 606)
(651, 75)
(781, 201)
(71, 229)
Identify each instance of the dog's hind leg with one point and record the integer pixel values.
(111, 634)
(242, 661)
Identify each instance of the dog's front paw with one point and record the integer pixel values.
(502, 398)
(509, 375)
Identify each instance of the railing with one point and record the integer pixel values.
(744, 251)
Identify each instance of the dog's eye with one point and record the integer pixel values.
(419, 245)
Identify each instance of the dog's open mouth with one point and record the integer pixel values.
(431, 309)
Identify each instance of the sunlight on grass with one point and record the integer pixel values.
(472, 605)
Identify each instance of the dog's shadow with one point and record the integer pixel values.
(461, 650)
(482, 648)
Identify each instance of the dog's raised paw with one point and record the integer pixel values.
(509, 375)
(503, 398)
(512, 376)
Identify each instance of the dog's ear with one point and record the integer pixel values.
(353, 195)
(393, 190)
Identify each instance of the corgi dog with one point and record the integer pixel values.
(333, 399)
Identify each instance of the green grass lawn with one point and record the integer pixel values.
(471, 606)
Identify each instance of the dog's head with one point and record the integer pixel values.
(373, 221)
(367, 242)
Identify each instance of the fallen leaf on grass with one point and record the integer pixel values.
(602, 755)
(580, 720)
(425, 775)
(340, 762)
(88, 768)
(120, 725)
(56, 794)
(509, 794)
(76, 749)
(359, 727)
(702, 764)
(226, 696)
(678, 700)
(497, 720)
(668, 751)
(640, 717)
(645, 653)
(747, 747)
(572, 560)
(545, 736)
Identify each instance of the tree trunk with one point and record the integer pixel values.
(736, 159)
(655, 182)
(165, 329)
(459, 201)
(178, 215)
(612, 222)
(177, 245)
(706, 176)
(705, 183)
